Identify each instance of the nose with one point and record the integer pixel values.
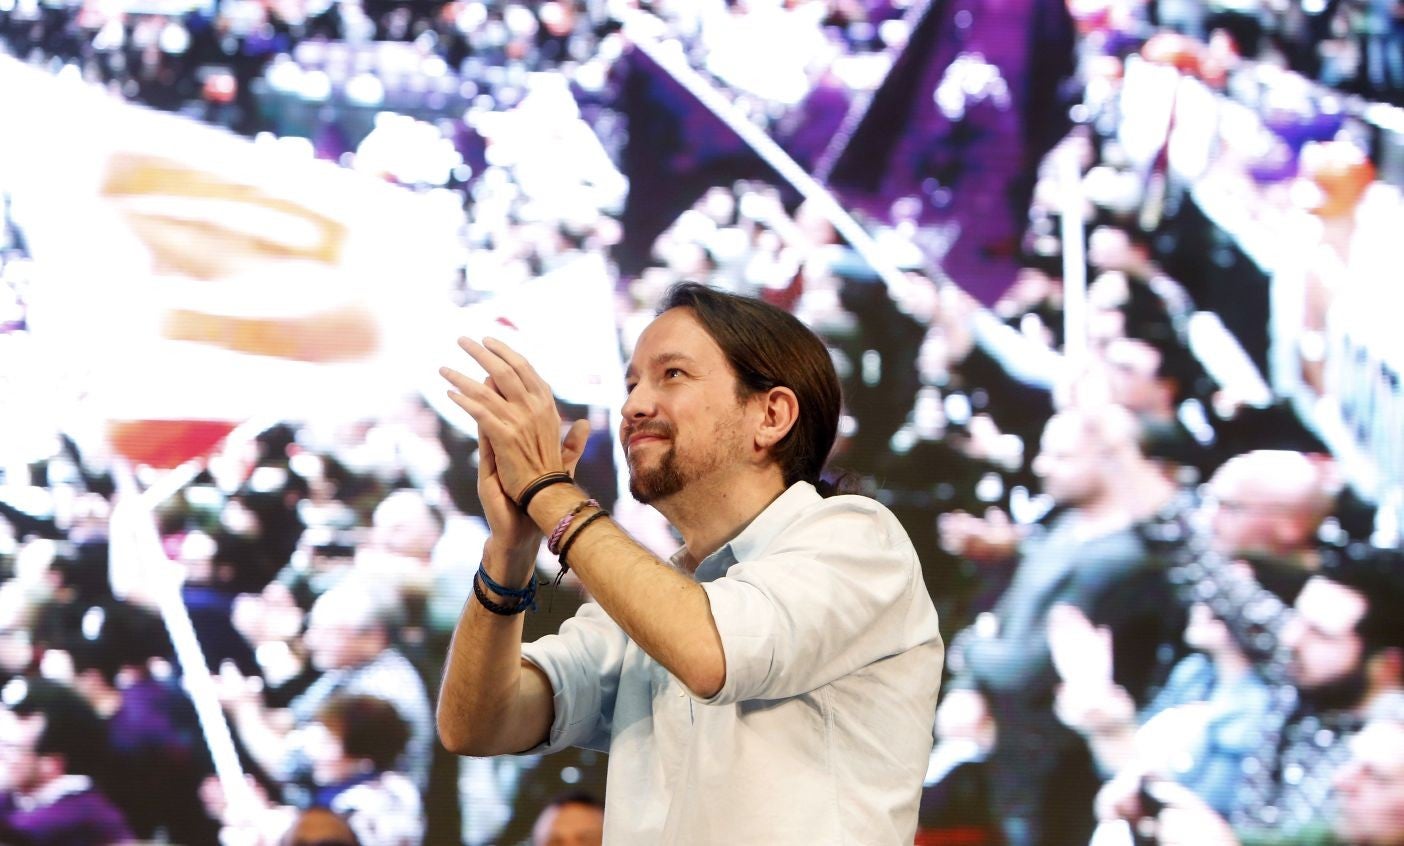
(638, 404)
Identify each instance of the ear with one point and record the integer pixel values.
(780, 409)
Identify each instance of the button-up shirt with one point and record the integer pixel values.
(823, 727)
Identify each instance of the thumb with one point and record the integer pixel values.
(574, 445)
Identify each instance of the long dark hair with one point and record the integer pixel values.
(768, 347)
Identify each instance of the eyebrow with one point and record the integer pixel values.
(661, 359)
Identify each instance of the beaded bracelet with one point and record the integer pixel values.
(539, 484)
(525, 597)
(553, 543)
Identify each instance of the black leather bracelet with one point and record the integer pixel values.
(527, 600)
(570, 541)
(539, 484)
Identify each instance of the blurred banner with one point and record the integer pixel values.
(562, 321)
(189, 279)
(950, 142)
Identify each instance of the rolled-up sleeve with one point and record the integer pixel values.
(582, 662)
(840, 593)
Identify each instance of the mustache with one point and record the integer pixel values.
(656, 429)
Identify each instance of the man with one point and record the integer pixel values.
(775, 682)
(349, 639)
(1346, 643)
(575, 819)
(1270, 504)
(1092, 557)
(1368, 790)
(51, 746)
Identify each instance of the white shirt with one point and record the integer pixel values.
(822, 731)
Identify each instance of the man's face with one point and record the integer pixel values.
(682, 423)
(571, 824)
(338, 633)
(323, 748)
(1130, 367)
(1239, 518)
(1325, 647)
(19, 766)
(1370, 787)
(1067, 463)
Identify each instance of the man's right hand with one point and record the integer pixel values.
(985, 539)
(964, 715)
(513, 533)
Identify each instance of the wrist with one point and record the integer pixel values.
(511, 564)
(554, 502)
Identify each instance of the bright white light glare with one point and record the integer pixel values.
(174, 40)
(315, 85)
(93, 620)
(434, 66)
(520, 20)
(894, 33)
(299, 147)
(14, 692)
(111, 37)
(958, 409)
(365, 89)
(284, 75)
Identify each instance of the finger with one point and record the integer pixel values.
(574, 444)
(508, 380)
(519, 365)
(487, 461)
(490, 424)
(483, 393)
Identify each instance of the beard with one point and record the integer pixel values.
(1342, 694)
(674, 470)
(654, 483)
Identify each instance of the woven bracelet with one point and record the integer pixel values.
(553, 543)
(570, 541)
(525, 597)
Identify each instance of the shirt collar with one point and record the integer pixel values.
(752, 540)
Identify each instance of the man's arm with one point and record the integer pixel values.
(663, 611)
(491, 702)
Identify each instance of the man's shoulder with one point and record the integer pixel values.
(839, 524)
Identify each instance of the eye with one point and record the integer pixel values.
(671, 372)
(629, 387)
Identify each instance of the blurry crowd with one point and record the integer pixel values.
(1169, 617)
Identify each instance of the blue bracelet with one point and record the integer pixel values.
(525, 598)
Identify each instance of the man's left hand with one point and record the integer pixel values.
(516, 412)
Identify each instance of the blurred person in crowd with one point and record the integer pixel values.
(52, 748)
(1199, 729)
(354, 747)
(1367, 791)
(573, 819)
(1270, 504)
(1091, 556)
(158, 754)
(349, 638)
(792, 629)
(1346, 647)
(320, 827)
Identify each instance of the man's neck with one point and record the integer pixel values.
(709, 513)
(1138, 493)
